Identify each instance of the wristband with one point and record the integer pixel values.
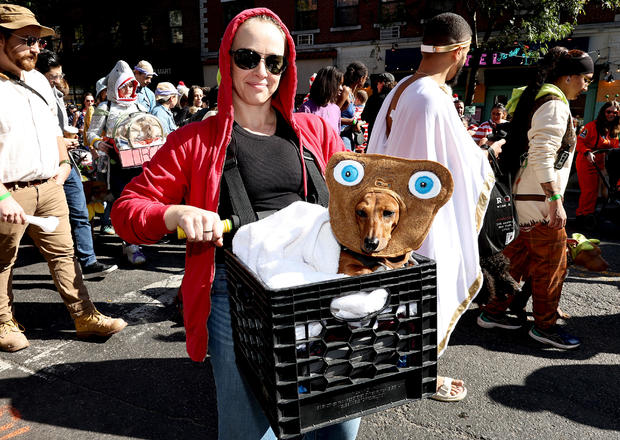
(554, 197)
(64, 161)
(354, 122)
(5, 196)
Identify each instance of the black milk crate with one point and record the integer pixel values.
(346, 371)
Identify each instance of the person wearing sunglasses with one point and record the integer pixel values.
(34, 166)
(256, 128)
(602, 133)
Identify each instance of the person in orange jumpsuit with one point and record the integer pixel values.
(599, 134)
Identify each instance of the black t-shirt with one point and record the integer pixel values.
(270, 167)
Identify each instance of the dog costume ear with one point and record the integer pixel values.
(420, 186)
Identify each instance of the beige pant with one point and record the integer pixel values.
(47, 199)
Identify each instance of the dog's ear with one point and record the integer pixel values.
(423, 187)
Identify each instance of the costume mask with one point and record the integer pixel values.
(420, 187)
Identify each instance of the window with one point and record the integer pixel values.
(115, 35)
(230, 8)
(437, 7)
(305, 39)
(347, 12)
(78, 38)
(389, 33)
(306, 14)
(176, 26)
(146, 28)
(391, 11)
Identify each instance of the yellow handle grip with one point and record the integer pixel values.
(227, 228)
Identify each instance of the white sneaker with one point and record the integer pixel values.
(134, 254)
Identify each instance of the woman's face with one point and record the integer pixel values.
(125, 90)
(611, 113)
(197, 97)
(256, 86)
(88, 101)
(497, 115)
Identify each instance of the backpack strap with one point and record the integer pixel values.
(399, 91)
(239, 199)
(317, 180)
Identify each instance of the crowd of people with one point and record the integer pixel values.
(252, 132)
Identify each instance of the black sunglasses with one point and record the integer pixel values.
(247, 59)
(30, 41)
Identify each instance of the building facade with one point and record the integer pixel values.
(386, 36)
(181, 39)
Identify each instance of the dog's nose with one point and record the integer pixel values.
(370, 244)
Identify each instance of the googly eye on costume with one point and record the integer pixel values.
(424, 185)
(349, 172)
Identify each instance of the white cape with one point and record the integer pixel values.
(291, 247)
(425, 125)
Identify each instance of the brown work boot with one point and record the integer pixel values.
(97, 324)
(12, 336)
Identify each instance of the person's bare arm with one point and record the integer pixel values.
(557, 214)
(10, 210)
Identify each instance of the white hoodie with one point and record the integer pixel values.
(108, 112)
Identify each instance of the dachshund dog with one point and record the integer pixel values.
(377, 215)
(381, 207)
(586, 253)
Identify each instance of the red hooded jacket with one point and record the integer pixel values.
(189, 166)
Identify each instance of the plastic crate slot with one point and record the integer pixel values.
(363, 340)
(362, 356)
(387, 358)
(311, 368)
(338, 369)
(340, 352)
(385, 369)
(364, 370)
(318, 384)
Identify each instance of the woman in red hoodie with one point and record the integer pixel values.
(255, 125)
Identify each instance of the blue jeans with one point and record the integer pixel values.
(240, 416)
(347, 143)
(78, 217)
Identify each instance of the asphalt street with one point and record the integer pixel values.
(140, 384)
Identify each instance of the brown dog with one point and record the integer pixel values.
(377, 215)
(382, 207)
(586, 253)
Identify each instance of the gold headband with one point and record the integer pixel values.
(441, 49)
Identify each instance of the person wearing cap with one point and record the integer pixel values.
(144, 73)
(417, 121)
(49, 65)
(167, 97)
(541, 114)
(33, 167)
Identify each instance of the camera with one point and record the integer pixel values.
(71, 108)
(499, 132)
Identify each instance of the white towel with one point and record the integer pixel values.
(291, 247)
(358, 305)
